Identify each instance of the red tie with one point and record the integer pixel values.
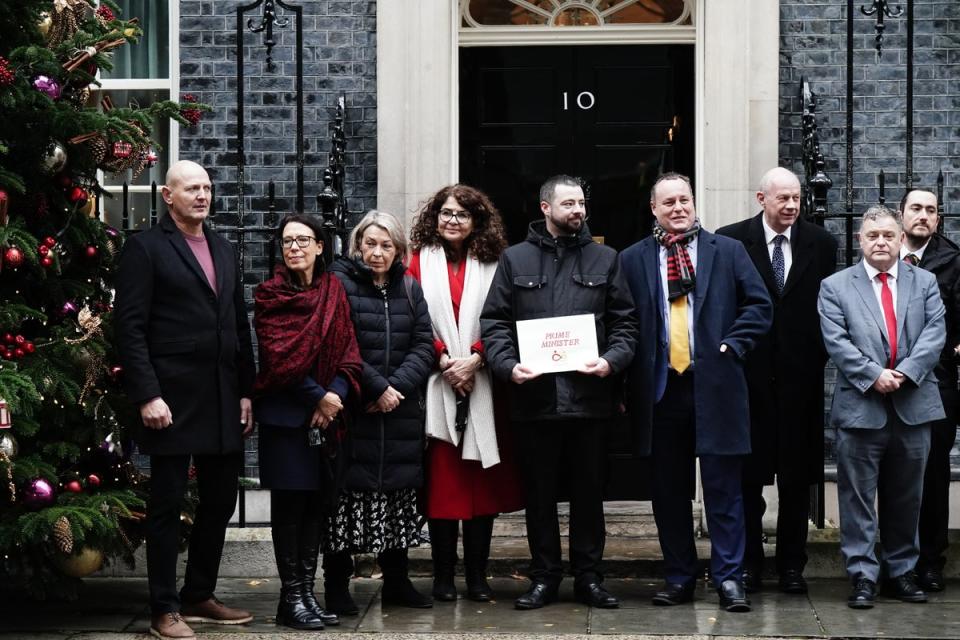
(890, 316)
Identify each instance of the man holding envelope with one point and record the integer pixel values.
(536, 336)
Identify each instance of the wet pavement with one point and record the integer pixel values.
(116, 608)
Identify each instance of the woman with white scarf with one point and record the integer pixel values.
(470, 476)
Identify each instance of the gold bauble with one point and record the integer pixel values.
(45, 23)
(80, 564)
(130, 32)
(89, 209)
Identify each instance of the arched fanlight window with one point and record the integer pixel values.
(573, 13)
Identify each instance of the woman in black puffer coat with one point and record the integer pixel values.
(377, 510)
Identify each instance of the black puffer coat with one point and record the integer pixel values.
(545, 277)
(385, 451)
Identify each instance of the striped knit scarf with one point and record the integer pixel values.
(681, 278)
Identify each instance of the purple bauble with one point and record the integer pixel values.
(38, 494)
(110, 231)
(47, 85)
(69, 308)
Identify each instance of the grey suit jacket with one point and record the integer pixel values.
(855, 335)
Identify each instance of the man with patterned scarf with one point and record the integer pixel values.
(701, 306)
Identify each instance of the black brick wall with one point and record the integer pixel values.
(339, 58)
(813, 45)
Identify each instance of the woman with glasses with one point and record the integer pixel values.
(457, 240)
(310, 368)
(377, 510)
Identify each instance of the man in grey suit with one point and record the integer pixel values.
(883, 326)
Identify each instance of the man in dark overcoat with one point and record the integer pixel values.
(701, 307)
(184, 343)
(923, 246)
(784, 375)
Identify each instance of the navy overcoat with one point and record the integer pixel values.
(731, 307)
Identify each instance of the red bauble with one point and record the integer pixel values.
(46, 261)
(13, 257)
(93, 481)
(18, 353)
(29, 347)
(6, 355)
(92, 251)
(43, 250)
(73, 486)
(78, 196)
(50, 242)
(19, 339)
(9, 338)
(6, 72)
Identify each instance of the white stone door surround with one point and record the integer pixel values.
(737, 68)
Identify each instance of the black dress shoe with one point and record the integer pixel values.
(791, 581)
(595, 595)
(751, 580)
(863, 594)
(672, 594)
(904, 587)
(931, 580)
(733, 597)
(538, 595)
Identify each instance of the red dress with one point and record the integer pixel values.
(458, 489)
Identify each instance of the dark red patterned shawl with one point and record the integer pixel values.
(304, 331)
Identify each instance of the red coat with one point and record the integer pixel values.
(458, 489)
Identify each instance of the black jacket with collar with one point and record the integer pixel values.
(942, 258)
(544, 277)
(182, 341)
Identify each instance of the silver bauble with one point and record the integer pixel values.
(8, 444)
(56, 159)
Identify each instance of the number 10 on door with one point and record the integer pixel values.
(584, 100)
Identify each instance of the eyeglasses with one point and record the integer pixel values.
(449, 215)
(302, 241)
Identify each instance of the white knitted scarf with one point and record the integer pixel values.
(480, 436)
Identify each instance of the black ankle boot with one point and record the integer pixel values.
(337, 571)
(309, 551)
(292, 611)
(476, 551)
(397, 588)
(443, 549)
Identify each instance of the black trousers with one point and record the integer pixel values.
(935, 508)
(217, 480)
(575, 450)
(793, 518)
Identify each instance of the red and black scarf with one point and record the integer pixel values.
(304, 331)
(681, 278)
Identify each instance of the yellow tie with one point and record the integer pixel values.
(679, 339)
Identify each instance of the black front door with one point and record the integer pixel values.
(616, 116)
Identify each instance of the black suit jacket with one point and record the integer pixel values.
(785, 370)
(183, 342)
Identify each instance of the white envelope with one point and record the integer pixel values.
(562, 343)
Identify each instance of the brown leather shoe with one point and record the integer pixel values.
(170, 626)
(214, 612)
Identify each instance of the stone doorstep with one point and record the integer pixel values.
(249, 552)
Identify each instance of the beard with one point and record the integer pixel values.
(568, 226)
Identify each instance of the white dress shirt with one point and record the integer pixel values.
(917, 252)
(878, 286)
(769, 235)
(692, 251)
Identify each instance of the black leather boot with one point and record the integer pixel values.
(292, 611)
(476, 551)
(337, 571)
(397, 588)
(443, 549)
(309, 551)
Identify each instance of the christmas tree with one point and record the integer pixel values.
(69, 496)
